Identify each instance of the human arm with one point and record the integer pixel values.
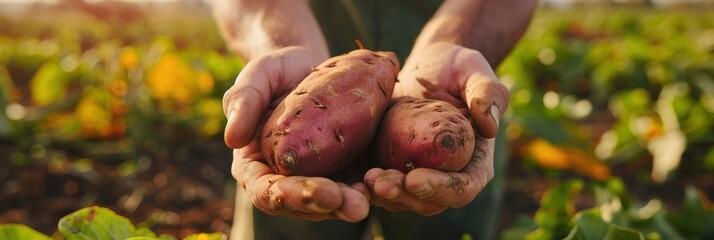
(253, 28)
(281, 41)
(450, 62)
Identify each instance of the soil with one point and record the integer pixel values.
(176, 197)
(191, 190)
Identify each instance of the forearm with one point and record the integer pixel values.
(255, 27)
(492, 27)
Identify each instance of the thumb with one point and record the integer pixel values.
(246, 102)
(487, 99)
(262, 81)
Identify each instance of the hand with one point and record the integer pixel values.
(462, 77)
(261, 85)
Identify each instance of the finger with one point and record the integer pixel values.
(362, 189)
(486, 97)
(262, 82)
(390, 187)
(371, 176)
(247, 167)
(454, 189)
(245, 103)
(369, 179)
(388, 184)
(355, 205)
(450, 189)
(297, 194)
(262, 196)
(316, 217)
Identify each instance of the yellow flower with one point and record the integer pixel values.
(172, 79)
(100, 115)
(118, 87)
(93, 115)
(550, 156)
(202, 236)
(128, 58)
(205, 82)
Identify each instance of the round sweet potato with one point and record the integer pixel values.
(427, 133)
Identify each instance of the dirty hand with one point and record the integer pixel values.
(261, 85)
(462, 77)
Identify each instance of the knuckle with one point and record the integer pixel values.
(258, 203)
(426, 195)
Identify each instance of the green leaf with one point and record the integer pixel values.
(19, 231)
(6, 89)
(49, 84)
(656, 224)
(522, 226)
(618, 232)
(223, 68)
(99, 223)
(532, 117)
(709, 159)
(591, 226)
(694, 220)
(556, 210)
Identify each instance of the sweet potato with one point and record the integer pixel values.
(427, 133)
(331, 116)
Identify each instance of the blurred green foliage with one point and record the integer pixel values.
(589, 89)
(612, 215)
(76, 86)
(619, 84)
(19, 231)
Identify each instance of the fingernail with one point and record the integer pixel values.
(231, 116)
(495, 114)
(317, 208)
(341, 215)
(424, 190)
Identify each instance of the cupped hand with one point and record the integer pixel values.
(464, 78)
(258, 89)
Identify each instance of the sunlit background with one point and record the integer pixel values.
(118, 104)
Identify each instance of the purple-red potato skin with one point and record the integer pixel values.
(426, 133)
(331, 116)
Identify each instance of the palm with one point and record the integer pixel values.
(262, 84)
(463, 78)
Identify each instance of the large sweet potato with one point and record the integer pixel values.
(331, 116)
(426, 133)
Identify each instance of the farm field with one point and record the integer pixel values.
(609, 127)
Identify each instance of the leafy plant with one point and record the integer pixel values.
(610, 214)
(617, 85)
(96, 223)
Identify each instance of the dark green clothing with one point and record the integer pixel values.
(394, 29)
